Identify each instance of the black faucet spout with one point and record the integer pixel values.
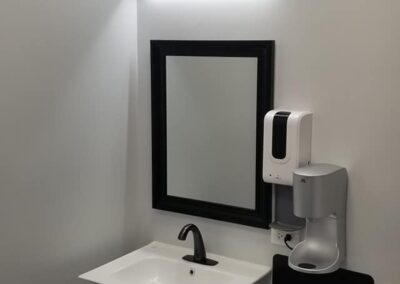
(199, 249)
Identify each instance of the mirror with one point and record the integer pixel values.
(211, 129)
(208, 103)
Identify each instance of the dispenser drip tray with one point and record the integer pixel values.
(314, 257)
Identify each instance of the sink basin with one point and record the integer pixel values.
(159, 263)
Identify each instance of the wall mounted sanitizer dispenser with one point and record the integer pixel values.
(319, 195)
(287, 144)
(319, 191)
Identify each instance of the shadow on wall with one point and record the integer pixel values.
(64, 85)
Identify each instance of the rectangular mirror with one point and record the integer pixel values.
(208, 103)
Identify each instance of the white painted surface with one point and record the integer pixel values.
(64, 88)
(338, 59)
(211, 129)
(159, 263)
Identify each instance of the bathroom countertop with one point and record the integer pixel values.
(283, 274)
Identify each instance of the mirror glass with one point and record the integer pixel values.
(211, 128)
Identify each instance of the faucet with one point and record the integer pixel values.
(199, 249)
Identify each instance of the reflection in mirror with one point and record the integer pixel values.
(211, 128)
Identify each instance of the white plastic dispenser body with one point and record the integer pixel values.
(287, 144)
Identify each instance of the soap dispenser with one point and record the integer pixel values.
(287, 144)
(319, 195)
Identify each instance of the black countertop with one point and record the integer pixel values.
(283, 274)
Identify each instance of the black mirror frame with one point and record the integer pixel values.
(264, 51)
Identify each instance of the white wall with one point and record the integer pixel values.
(64, 89)
(339, 59)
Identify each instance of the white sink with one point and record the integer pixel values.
(159, 263)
